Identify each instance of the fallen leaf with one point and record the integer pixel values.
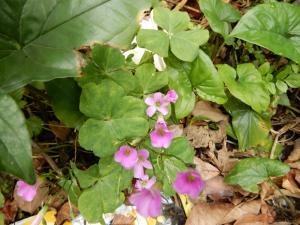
(41, 195)
(290, 183)
(206, 170)
(216, 189)
(9, 211)
(59, 130)
(226, 160)
(123, 220)
(208, 110)
(177, 130)
(261, 219)
(295, 154)
(266, 190)
(64, 213)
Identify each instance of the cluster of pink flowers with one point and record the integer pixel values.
(147, 198)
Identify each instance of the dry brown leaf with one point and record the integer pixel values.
(226, 161)
(64, 213)
(9, 211)
(208, 110)
(295, 165)
(261, 219)
(59, 130)
(289, 182)
(216, 189)
(209, 214)
(295, 154)
(41, 195)
(177, 130)
(123, 220)
(206, 170)
(266, 191)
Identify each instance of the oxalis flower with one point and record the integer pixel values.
(142, 163)
(145, 182)
(126, 156)
(161, 137)
(25, 191)
(188, 182)
(171, 96)
(157, 102)
(147, 202)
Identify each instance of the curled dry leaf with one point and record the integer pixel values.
(9, 211)
(261, 219)
(290, 183)
(216, 189)
(209, 111)
(295, 154)
(41, 196)
(206, 170)
(64, 213)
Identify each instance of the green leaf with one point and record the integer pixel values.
(2, 200)
(149, 79)
(251, 129)
(181, 149)
(179, 81)
(1, 219)
(88, 177)
(250, 172)
(111, 122)
(293, 80)
(274, 26)
(104, 197)
(206, 80)
(34, 125)
(64, 95)
(15, 143)
(41, 36)
(219, 15)
(154, 40)
(249, 87)
(71, 187)
(172, 21)
(185, 44)
(281, 86)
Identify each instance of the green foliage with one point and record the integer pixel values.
(64, 95)
(250, 172)
(274, 26)
(34, 125)
(219, 15)
(34, 35)
(2, 200)
(184, 44)
(250, 128)
(111, 122)
(246, 84)
(15, 144)
(86, 178)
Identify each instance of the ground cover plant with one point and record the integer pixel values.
(143, 103)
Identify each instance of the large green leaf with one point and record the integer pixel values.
(251, 129)
(1, 200)
(219, 15)
(40, 36)
(15, 143)
(64, 95)
(275, 26)
(111, 122)
(250, 172)
(206, 80)
(249, 87)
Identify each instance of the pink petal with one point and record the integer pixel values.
(147, 164)
(163, 110)
(139, 171)
(150, 100)
(144, 153)
(172, 96)
(158, 96)
(150, 182)
(150, 111)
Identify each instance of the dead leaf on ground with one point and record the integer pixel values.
(216, 189)
(226, 160)
(177, 130)
(209, 110)
(206, 170)
(261, 219)
(290, 183)
(41, 196)
(295, 154)
(266, 190)
(64, 213)
(123, 220)
(9, 211)
(59, 130)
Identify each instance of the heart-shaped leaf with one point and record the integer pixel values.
(111, 122)
(274, 26)
(15, 143)
(40, 36)
(250, 172)
(249, 87)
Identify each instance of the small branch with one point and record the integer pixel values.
(180, 5)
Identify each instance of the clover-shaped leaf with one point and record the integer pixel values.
(184, 43)
(111, 122)
(108, 63)
(246, 84)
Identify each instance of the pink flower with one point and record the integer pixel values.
(142, 163)
(161, 137)
(145, 182)
(25, 191)
(172, 96)
(126, 156)
(157, 102)
(188, 182)
(147, 202)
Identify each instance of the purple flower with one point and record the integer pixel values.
(147, 202)
(188, 182)
(172, 96)
(25, 191)
(161, 137)
(142, 163)
(145, 182)
(157, 102)
(126, 156)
